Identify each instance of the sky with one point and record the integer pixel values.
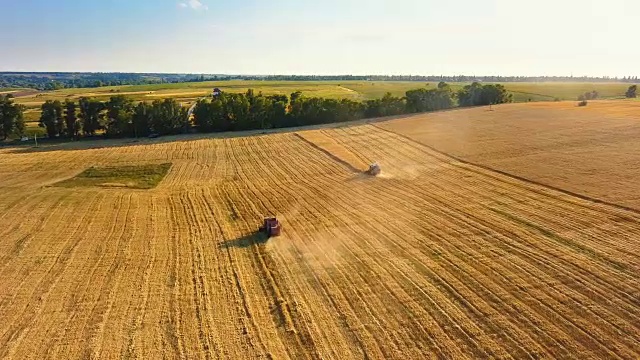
(331, 37)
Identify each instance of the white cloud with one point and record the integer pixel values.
(194, 4)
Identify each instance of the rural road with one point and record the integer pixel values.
(193, 107)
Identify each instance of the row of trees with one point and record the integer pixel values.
(11, 117)
(227, 112)
(432, 78)
(59, 80)
(477, 94)
(118, 117)
(121, 117)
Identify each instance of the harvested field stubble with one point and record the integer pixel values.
(592, 151)
(443, 259)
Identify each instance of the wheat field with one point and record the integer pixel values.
(435, 258)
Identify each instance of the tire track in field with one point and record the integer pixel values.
(109, 311)
(418, 210)
(347, 247)
(245, 323)
(269, 156)
(44, 216)
(206, 334)
(327, 153)
(102, 275)
(196, 334)
(252, 175)
(243, 288)
(528, 188)
(364, 220)
(75, 294)
(525, 180)
(292, 333)
(507, 204)
(172, 327)
(136, 321)
(295, 301)
(281, 307)
(398, 214)
(15, 332)
(296, 318)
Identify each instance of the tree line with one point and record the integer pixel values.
(60, 80)
(232, 112)
(11, 117)
(122, 117)
(432, 78)
(117, 117)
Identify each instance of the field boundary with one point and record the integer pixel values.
(513, 176)
(528, 93)
(329, 154)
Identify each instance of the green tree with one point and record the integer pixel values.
(168, 117)
(51, 118)
(209, 116)
(421, 100)
(91, 115)
(470, 95)
(494, 94)
(140, 119)
(241, 112)
(237, 110)
(11, 117)
(631, 92)
(386, 106)
(119, 116)
(71, 120)
(276, 114)
(477, 94)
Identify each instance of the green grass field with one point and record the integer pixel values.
(187, 93)
(134, 177)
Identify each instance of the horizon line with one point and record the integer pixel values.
(308, 75)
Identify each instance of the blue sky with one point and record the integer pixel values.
(482, 37)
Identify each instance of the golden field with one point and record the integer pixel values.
(444, 255)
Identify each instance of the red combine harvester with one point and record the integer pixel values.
(271, 227)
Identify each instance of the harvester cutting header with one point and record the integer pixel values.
(374, 169)
(271, 227)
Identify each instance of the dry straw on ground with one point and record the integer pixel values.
(439, 259)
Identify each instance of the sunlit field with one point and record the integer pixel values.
(479, 239)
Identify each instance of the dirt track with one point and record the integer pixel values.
(434, 259)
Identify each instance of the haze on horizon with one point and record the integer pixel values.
(481, 37)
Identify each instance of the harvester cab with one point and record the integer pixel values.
(271, 227)
(374, 169)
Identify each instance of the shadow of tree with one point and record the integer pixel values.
(98, 142)
(245, 241)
